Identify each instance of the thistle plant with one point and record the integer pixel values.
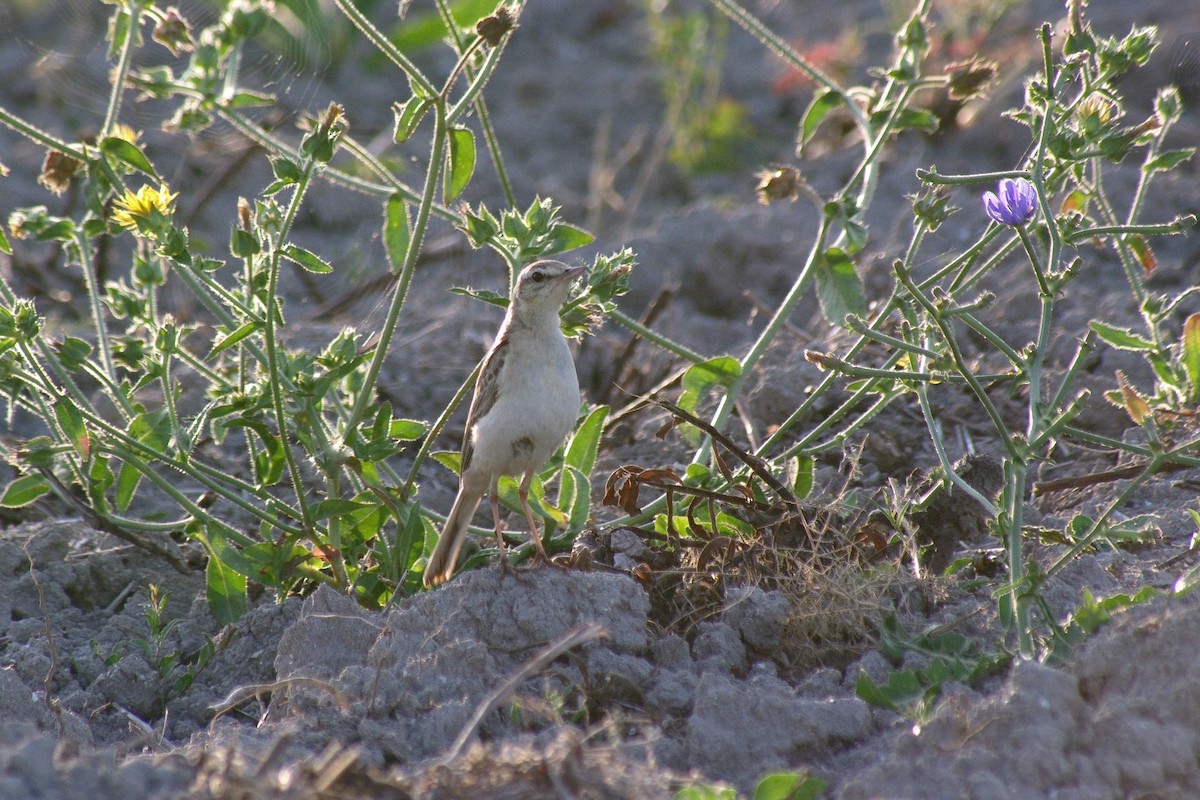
(1048, 209)
(319, 497)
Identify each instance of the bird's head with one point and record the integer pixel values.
(545, 284)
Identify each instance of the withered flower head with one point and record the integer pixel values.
(968, 79)
(172, 32)
(777, 183)
(493, 28)
(57, 170)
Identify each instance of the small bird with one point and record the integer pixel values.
(525, 403)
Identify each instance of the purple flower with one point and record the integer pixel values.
(1014, 205)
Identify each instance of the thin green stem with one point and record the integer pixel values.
(38, 135)
(767, 336)
(274, 362)
(781, 48)
(381, 42)
(433, 172)
(126, 47)
(670, 345)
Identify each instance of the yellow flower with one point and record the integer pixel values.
(148, 211)
(122, 131)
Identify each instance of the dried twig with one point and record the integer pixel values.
(572, 638)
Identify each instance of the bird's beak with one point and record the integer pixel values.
(573, 273)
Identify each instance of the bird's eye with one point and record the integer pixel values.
(537, 277)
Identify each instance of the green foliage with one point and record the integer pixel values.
(951, 657)
(773, 786)
(1087, 618)
(318, 441)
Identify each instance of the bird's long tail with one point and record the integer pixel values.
(445, 554)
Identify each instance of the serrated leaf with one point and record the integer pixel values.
(839, 290)
(449, 459)
(1143, 253)
(396, 233)
(305, 259)
(406, 429)
(1137, 408)
(486, 295)
(1190, 346)
(235, 337)
(334, 507)
(564, 237)
(822, 103)
(286, 170)
(460, 162)
(1168, 160)
(71, 421)
(1120, 338)
(1076, 200)
(23, 491)
(127, 153)
(582, 449)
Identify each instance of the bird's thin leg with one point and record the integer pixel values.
(494, 498)
(523, 493)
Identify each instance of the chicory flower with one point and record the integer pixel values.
(1014, 203)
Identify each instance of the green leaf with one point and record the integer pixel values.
(460, 162)
(406, 429)
(839, 290)
(581, 451)
(564, 237)
(1120, 338)
(1191, 353)
(422, 29)
(286, 170)
(305, 259)
(788, 786)
(71, 421)
(486, 295)
(127, 153)
(396, 233)
(822, 103)
(235, 337)
(23, 491)
(245, 99)
(335, 507)
(800, 471)
(5, 247)
(62, 230)
(575, 497)
(450, 459)
(226, 591)
(152, 429)
(1168, 160)
(699, 378)
(408, 117)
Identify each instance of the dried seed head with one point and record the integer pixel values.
(969, 79)
(172, 32)
(57, 171)
(495, 27)
(778, 183)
